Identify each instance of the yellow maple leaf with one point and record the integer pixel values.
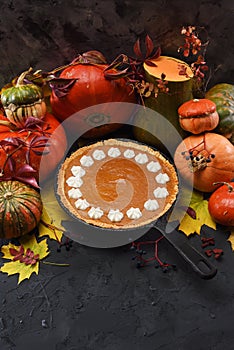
(231, 239)
(52, 215)
(190, 225)
(15, 266)
(47, 227)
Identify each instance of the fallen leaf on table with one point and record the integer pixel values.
(199, 206)
(231, 239)
(46, 227)
(24, 258)
(52, 215)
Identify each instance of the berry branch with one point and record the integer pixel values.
(141, 261)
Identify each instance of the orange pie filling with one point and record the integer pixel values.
(117, 184)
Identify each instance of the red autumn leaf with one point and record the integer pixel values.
(156, 55)
(12, 141)
(137, 49)
(149, 45)
(61, 86)
(33, 261)
(116, 75)
(150, 63)
(191, 212)
(14, 252)
(18, 254)
(29, 252)
(28, 180)
(25, 168)
(94, 57)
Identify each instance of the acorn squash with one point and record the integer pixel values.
(223, 96)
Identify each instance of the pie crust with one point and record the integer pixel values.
(117, 184)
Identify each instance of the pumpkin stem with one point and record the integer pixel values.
(230, 188)
(8, 195)
(20, 80)
(55, 264)
(51, 226)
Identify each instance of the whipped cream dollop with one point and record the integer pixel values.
(162, 178)
(129, 153)
(114, 152)
(74, 193)
(86, 161)
(98, 154)
(82, 204)
(115, 215)
(95, 213)
(153, 166)
(151, 205)
(141, 158)
(160, 192)
(74, 181)
(134, 213)
(77, 170)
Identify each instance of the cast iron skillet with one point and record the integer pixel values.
(94, 236)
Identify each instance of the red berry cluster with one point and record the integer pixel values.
(141, 261)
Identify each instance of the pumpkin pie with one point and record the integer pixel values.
(117, 184)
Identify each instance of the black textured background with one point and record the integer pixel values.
(46, 34)
(102, 301)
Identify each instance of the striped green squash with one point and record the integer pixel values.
(223, 96)
(20, 209)
(22, 101)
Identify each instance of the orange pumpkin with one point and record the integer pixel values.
(91, 88)
(221, 204)
(31, 152)
(198, 115)
(204, 159)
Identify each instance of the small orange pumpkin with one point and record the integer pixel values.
(204, 159)
(221, 204)
(198, 115)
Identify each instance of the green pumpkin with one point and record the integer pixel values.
(166, 104)
(20, 209)
(22, 101)
(223, 96)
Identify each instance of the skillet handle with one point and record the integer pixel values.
(200, 264)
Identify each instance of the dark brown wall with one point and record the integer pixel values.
(46, 34)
